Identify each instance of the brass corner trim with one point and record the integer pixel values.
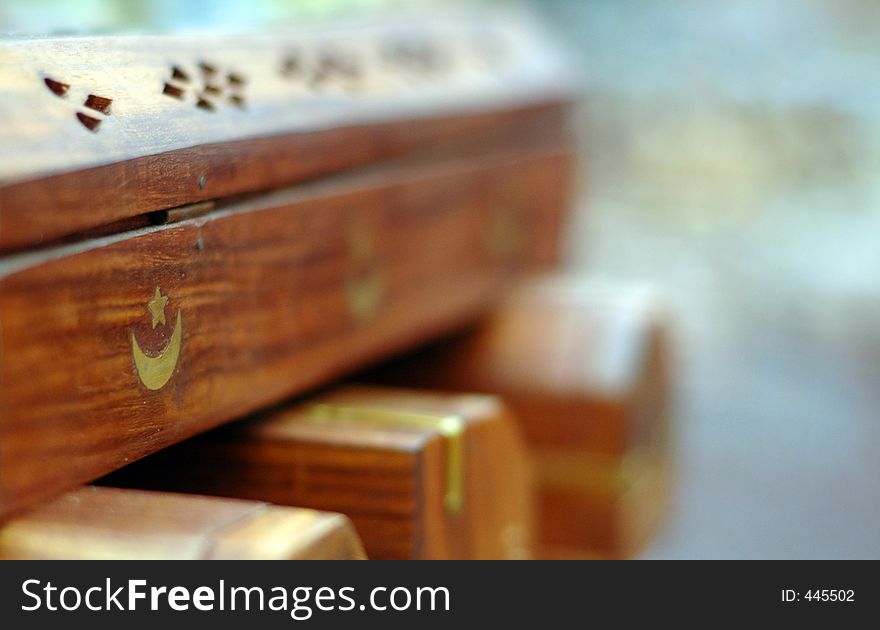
(450, 426)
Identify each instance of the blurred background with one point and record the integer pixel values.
(730, 156)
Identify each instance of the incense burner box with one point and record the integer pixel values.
(195, 228)
(108, 524)
(421, 475)
(585, 368)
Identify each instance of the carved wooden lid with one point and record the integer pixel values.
(101, 129)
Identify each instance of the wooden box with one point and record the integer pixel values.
(584, 367)
(233, 221)
(109, 524)
(421, 475)
(117, 347)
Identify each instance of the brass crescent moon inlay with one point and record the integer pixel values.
(365, 289)
(156, 371)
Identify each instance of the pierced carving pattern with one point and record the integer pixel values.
(334, 64)
(58, 88)
(99, 106)
(414, 56)
(351, 69)
(326, 65)
(208, 86)
(98, 103)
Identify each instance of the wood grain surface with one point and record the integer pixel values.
(98, 130)
(111, 524)
(382, 457)
(584, 366)
(274, 295)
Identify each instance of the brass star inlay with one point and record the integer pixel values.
(156, 306)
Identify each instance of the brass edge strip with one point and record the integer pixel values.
(450, 426)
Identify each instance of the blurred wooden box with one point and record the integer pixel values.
(112, 524)
(421, 475)
(584, 367)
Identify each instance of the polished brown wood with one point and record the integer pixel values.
(585, 368)
(101, 130)
(118, 346)
(421, 475)
(110, 524)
